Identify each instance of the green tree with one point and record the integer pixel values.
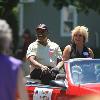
(8, 13)
(81, 5)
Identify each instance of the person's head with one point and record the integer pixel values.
(5, 36)
(27, 38)
(80, 34)
(42, 32)
(26, 34)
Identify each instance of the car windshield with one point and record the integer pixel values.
(86, 71)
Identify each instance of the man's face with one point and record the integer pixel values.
(42, 37)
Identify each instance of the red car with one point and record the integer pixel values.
(82, 78)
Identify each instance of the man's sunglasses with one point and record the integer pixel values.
(39, 30)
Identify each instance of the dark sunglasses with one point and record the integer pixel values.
(39, 30)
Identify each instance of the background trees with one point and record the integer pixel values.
(8, 11)
(81, 5)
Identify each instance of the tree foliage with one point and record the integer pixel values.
(7, 12)
(81, 5)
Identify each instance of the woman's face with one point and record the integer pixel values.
(78, 38)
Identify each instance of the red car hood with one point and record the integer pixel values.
(71, 92)
(92, 88)
(85, 89)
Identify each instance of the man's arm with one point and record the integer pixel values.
(60, 65)
(36, 64)
(59, 59)
(31, 57)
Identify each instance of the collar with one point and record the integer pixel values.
(48, 41)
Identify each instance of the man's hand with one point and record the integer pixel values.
(44, 68)
(55, 70)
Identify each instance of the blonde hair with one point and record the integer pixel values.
(81, 29)
(5, 35)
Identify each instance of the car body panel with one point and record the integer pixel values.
(74, 85)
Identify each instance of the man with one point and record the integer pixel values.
(43, 56)
(11, 77)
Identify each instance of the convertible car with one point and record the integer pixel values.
(82, 77)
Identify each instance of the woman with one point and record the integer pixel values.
(78, 49)
(11, 77)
